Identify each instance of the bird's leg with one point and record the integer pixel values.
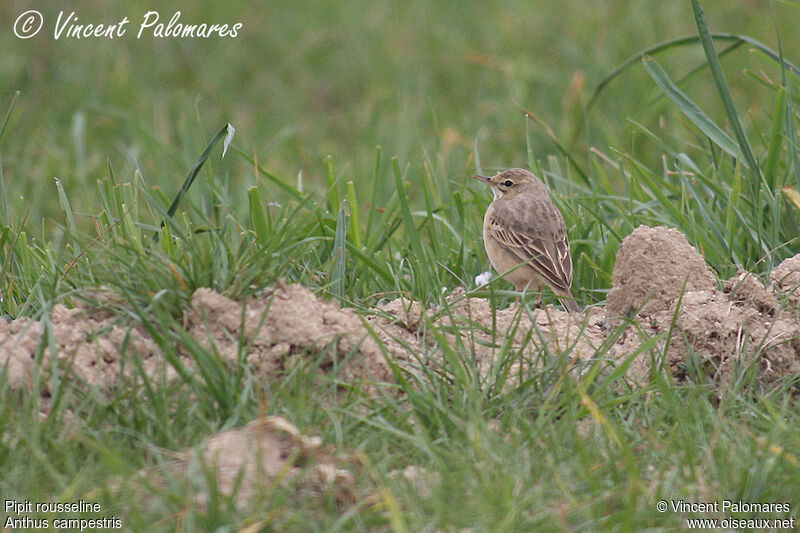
(520, 294)
(522, 290)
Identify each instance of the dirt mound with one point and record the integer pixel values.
(716, 331)
(279, 328)
(271, 452)
(284, 324)
(652, 266)
(718, 327)
(252, 460)
(87, 344)
(722, 333)
(509, 337)
(786, 279)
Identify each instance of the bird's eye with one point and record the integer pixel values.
(508, 183)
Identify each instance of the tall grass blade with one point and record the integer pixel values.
(476, 155)
(683, 41)
(376, 170)
(294, 192)
(775, 144)
(8, 116)
(374, 265)
(333, 185)
(722, 87)
(71, 227)
(339, 247)
(5, 216)
(561, 148)
(227, 133)
(405, 210)
(355, 222)
(689, 108)
(791, 134)
(257, 217)
(730, 211)
(793, 196)
(228, 139)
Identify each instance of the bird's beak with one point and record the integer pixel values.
(484, 179)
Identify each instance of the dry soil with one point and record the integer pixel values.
(659, 280)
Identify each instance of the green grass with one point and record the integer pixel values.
(357, 133)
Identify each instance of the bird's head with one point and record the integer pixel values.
(512, 182)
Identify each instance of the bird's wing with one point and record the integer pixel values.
(548, 255)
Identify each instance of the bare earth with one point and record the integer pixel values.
(721, 324)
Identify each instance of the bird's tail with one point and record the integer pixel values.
(569, 304)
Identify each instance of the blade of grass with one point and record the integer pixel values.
(227, 132)
(339, 247)
(791, 133)
(405, 210)
(793, 196)
(689, 108)
(736, 189)
(292, 191)
(372, 264)
(355, 223)
(722, 87)
(5, 216)
(374, 194)
(257, 217)
(73, 229)
(427, 187)
(333, 185)
(711, 221)
(561, 148)
(477, 157)
(775, 144)
(683, 41)
(8, 116)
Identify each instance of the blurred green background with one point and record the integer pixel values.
(434, 84)
(427, 81)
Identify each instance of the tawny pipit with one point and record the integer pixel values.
(525, 235)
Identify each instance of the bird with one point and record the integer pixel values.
(525, 235)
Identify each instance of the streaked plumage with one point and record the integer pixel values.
(523, 226)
